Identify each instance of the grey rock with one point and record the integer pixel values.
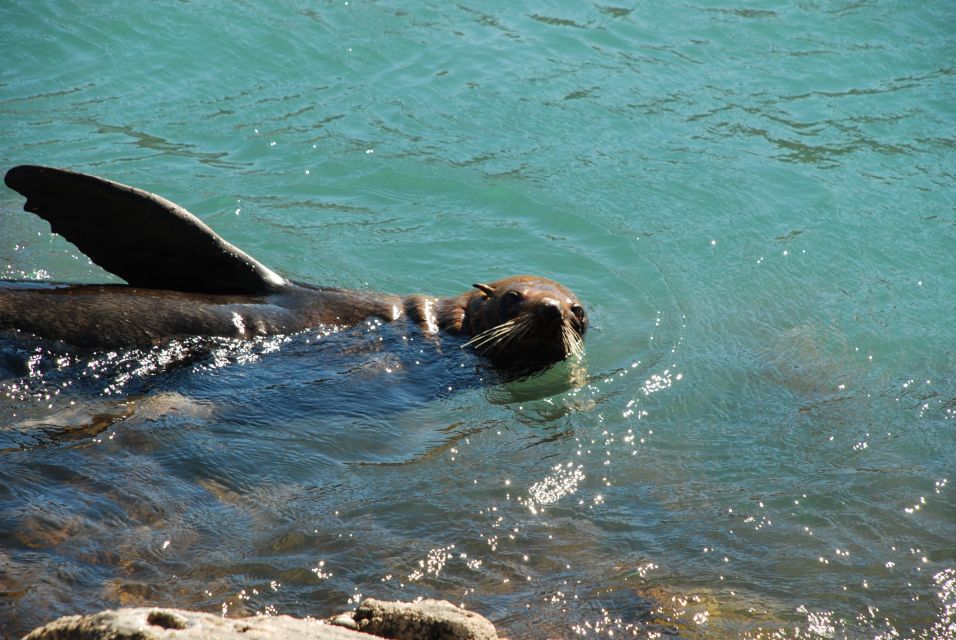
(424, 620)
(149, 623)
(344, 620)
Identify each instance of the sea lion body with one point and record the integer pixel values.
(124, 316)
(184, 280)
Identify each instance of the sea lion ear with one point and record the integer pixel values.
(485, 289)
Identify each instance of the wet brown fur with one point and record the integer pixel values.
(123, 316)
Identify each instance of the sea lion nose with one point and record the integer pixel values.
(550, 309)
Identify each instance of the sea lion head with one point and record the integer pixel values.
(525, 322)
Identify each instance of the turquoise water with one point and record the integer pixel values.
(755, 201)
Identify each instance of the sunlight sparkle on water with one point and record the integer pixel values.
(433, 563)
(564, 481)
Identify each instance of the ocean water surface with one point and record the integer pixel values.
(754, 200)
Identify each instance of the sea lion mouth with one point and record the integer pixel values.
(528, 340)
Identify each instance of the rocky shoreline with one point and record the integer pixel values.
(420, 620)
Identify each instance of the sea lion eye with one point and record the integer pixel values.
(578, 311)
(512, 297)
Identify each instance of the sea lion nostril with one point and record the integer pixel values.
(550, 309)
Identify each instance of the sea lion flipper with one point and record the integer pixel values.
(139, 236)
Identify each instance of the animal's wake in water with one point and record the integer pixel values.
(185, 280)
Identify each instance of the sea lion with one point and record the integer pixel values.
(185, 280)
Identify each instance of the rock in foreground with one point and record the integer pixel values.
(426, 620)
(147, 623)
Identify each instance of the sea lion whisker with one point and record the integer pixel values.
(522, 326)
(525, 327)
(486, 335)
(519, 327)
(490, 343)
(576, 342)
(500, 336)
(568, 339)
(490, 335)
(574, 345)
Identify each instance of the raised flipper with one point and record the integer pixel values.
(139, 236)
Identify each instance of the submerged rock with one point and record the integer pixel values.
(426, 620)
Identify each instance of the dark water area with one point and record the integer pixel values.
(273, 434)
(754, 201)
